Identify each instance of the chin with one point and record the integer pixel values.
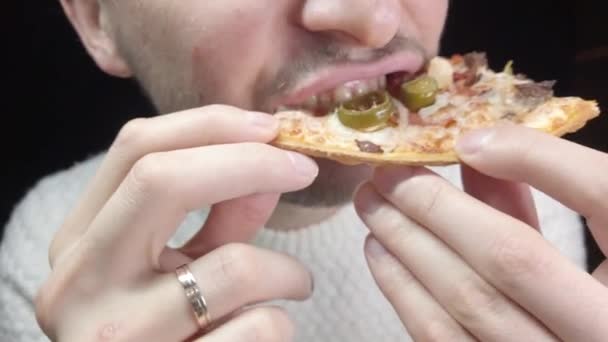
(333, 187)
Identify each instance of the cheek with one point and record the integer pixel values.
(228, 58)
(429, 17)
(203, 51)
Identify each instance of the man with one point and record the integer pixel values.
(460, 266)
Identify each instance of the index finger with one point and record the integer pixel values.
(508, 254)
(573, 174)
(151, 203)
(191, 128)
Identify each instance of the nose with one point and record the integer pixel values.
(372, 23)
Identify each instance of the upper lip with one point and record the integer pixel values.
(332, 77)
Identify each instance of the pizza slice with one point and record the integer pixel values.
(417, 121)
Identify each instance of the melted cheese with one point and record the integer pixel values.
(492, 98)
(443, 99)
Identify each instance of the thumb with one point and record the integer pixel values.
(573, 174)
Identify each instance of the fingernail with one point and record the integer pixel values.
(473, 142)
(303, 165)
(375, 249)
(263, 120)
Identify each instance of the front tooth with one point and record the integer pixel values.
(325, 100)
(281, 109)
(374, 85)
(343, 94)
(382, 82)
(311, 102)
(362, 88)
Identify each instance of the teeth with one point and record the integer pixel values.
(325, 100)
(312, 102)
(344, 93)
(375, 83)
(363, 88)
(283, 108)
(382, 82)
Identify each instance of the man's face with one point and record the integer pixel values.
(252, 54)
(265, 53)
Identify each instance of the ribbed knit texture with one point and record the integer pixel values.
(346, 305)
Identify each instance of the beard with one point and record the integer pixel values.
(174, 91)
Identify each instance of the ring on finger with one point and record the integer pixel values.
(194, 295)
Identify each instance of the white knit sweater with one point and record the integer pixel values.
(346, 305)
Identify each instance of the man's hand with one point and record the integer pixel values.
(112, 274)
(471, 266)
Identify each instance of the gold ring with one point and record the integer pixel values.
(194, 295)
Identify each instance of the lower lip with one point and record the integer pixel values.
(332, 77)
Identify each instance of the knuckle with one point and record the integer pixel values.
(517, 259)
(405, 231)
(238, 264)
(394, 279)
(393, 225)
(60, 244)
(474, 301)
(131, 135)
(272, 325)
(432, 188)
(149, 174)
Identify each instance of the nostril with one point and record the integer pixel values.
(384, 21)
(344, 37)
(318, 15)
(363, 22)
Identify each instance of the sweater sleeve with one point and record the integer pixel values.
(24, 250)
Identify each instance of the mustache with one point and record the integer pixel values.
(324, 52)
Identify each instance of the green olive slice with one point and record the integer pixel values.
(419, 93)
(367, 113)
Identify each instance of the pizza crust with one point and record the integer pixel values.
(577, 113)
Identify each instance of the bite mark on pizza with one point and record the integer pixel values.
(416, 119)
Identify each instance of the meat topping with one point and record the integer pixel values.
(476, 60)
(368, 147)
(535, 93)
(509, 115)
(469, 77)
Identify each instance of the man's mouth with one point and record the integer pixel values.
(333, 87)
(343, 93)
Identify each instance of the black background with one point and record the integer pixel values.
(61, 108)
